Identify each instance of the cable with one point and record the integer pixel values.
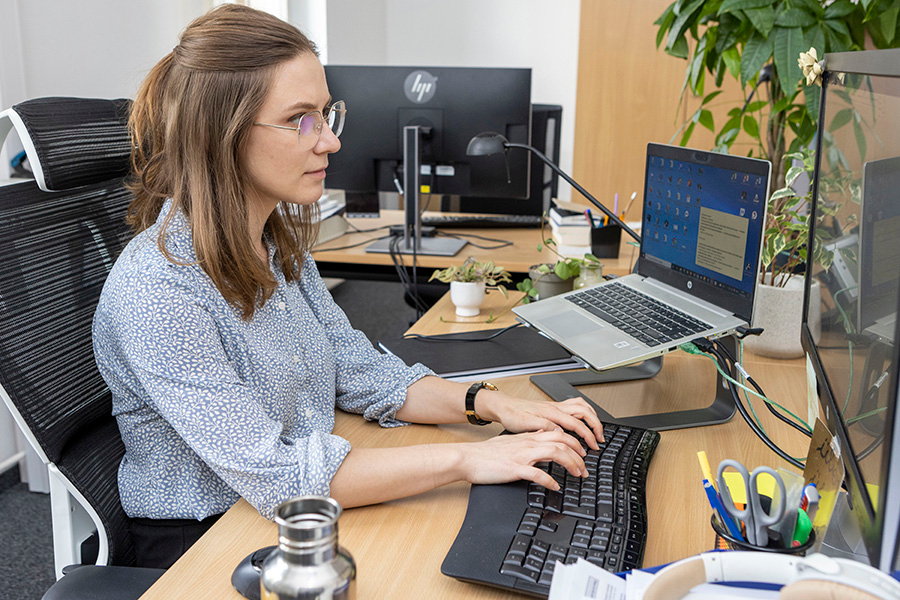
(804, 428)
(358, 230)
(438, 338)
(356, 245)
(403, 276)
(740, 406)
(458, 236)
(697, 347)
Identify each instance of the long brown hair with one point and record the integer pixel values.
(189, 124)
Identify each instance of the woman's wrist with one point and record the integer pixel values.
(490, 404)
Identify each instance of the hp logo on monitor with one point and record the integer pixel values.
(420, 86)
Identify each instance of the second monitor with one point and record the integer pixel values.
(423, 118)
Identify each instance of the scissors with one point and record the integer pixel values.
(755, 518)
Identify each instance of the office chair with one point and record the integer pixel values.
(59, 237)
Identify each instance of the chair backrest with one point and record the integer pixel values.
(56, 250)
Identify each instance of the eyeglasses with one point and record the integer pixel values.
(309, 125)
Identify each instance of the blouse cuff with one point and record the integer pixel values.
(384, 412)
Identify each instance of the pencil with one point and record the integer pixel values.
(704, 466)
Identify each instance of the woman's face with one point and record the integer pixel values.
(282, 165)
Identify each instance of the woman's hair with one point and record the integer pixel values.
(189, 124)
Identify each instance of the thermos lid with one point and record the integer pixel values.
(307, 522)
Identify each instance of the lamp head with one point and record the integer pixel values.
(486, 143)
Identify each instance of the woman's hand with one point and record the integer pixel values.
(520, 414)
(512, 457)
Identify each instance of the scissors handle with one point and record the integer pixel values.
(745, 514)
(761, 518)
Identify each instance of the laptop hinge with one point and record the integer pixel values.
(692, 299)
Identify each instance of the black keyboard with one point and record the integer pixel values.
(482, 221)
(514, 533)
(644, 318)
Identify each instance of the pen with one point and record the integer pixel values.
(589, 217)
(605, 220)
(704, 467)
(719, 509)
(801, 529)
(630, 202)
(616, 204)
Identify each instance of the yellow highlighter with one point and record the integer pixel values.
(704, 466)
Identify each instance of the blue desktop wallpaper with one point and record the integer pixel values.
(722, 247)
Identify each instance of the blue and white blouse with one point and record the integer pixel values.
(213, 408)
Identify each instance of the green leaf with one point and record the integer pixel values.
(794, 17)
(682, 21)
(860, 139)
(687, 134)
(755, 106)
(706, 119)
(757, 51)
(763, 19)
(888, 22)
(787, 48)
(840, 33)
(840, 119)
(793, 173)
(732, 60)
(679, 49)
(785, 192)
(751, 126)
(710, 96)
(664, 21)
(839, 9)
(730, 6)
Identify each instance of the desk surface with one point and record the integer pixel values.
(400, 543)
(516, 258)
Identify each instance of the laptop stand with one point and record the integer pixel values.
(560, 386)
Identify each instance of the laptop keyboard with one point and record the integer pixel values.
(640, 316)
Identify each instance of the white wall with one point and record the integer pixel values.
(491, 33)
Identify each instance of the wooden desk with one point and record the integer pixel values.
(399, 546)
(517, 258)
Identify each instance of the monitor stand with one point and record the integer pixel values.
(413, 242)
(561, 386)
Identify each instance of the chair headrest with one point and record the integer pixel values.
(72, 142)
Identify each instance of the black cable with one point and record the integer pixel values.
(759, 390)
(441, 338)
(458, 236)
(402, 275)
(723, 362)
(358, 230)
(356, 245)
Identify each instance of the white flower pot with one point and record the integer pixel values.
(467, 297)
(779, 310)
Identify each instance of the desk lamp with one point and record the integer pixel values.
(489, 142)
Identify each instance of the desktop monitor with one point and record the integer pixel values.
(854, 245)
(448, 106)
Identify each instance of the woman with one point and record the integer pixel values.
(224, 351)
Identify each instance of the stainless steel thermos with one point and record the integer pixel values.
(308, 563)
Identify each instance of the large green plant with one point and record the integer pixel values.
(738, 38)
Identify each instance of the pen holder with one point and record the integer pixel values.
(605, 241)
(736, 544)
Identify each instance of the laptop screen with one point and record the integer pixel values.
(704, 216)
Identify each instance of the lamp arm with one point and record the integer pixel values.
(574, 184)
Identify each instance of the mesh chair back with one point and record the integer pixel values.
(57, 249)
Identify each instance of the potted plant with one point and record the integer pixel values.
(758, 42)
(549, 279)
(468, 283)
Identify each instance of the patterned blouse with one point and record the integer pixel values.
(213, 408)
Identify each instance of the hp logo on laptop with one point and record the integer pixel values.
(420, 86)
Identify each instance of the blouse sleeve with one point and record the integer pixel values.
(368, 382)
(171, 343)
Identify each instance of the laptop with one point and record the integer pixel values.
(703, 220)
(879, 253)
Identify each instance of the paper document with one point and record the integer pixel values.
(583, 581)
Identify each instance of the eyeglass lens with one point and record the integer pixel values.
(312, 123)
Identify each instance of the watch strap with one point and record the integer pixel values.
(471, 415)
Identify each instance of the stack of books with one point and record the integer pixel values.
(571, 229)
